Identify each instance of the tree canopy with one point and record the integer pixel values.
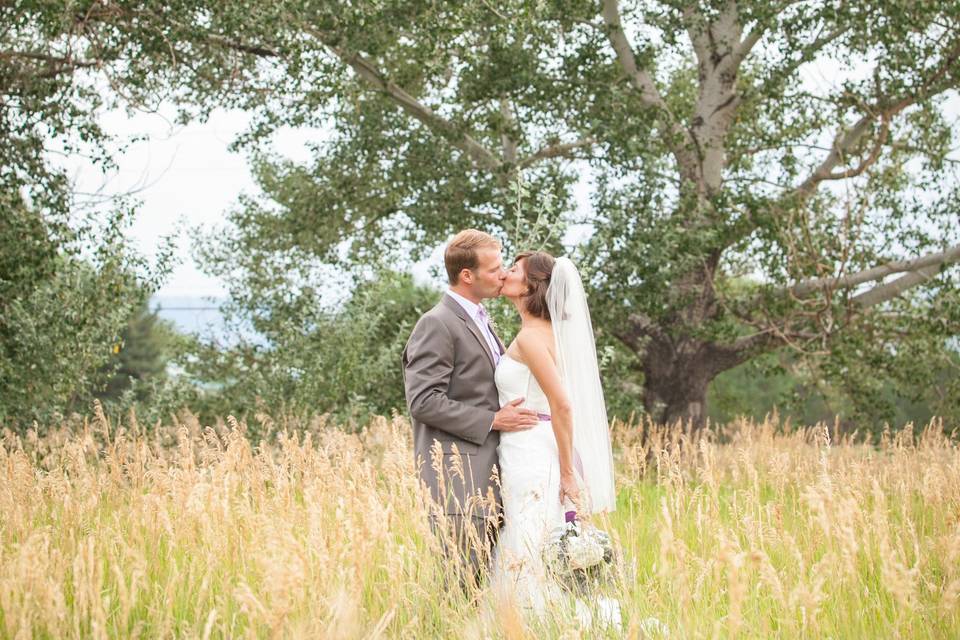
(759, 175)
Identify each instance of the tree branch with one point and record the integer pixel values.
(556, 151)
(364, 68)
(886, 110)
(716, 45)
(509, 144)
(842, 143)
(55, 65)
(643, 82)
(649, 94)
(918, 271)
(890, 290)
(746, 45)
(257, 50)
(43, 57)
(762, 339)
(806, 55)
(639, 328)
(808, 287)
(697, 40)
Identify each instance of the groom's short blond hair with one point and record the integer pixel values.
(461, 252)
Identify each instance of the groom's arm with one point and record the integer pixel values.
(428, 366)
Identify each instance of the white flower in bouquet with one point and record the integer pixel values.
(578, 553)
(553, 552)
(584, 550)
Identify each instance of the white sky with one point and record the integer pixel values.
(183, 177)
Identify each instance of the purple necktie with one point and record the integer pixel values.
(491, 341)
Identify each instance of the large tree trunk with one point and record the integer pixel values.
(677, 374)
(668, 400)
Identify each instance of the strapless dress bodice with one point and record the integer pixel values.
(515, 380)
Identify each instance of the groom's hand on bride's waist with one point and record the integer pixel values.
(512, 417)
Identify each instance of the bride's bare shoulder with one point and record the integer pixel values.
(533, 341)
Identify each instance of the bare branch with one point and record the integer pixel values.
(364, 68)
(760, 340)
(230, 43)
(699, 40)
(494, 10)
(650, 96)
(55, 65)
(509, 144)
(885, 110)
(746, 45)
(639, 328)
(935, 260)
(844, 142)
(890, 290)
(874, 155)
(43, 57)
(556, 151)
(642, 80)
(770, 334)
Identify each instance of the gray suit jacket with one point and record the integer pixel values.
(448, 379)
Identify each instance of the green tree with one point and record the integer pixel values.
(68, 281)
(710, 156)
(140, 357)
(869, 397)
(341, 359)
(64, 301)
(63, 62)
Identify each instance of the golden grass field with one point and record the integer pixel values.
(748, 531)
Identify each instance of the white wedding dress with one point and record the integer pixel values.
(530, 463)
(530, 489)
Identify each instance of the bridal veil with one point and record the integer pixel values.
(579, 370)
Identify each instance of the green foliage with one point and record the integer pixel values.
(869, 397)
(699, 155)
(68, 283)
(902, 365)
(63, 304)
(344, 361)
(139, 360)
(61, 62)
(431, 111)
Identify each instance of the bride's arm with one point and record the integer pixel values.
(535, 351)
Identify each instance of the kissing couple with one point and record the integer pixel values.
(504, 437)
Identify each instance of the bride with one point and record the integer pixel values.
(552, 363)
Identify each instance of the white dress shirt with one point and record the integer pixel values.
(473, 310)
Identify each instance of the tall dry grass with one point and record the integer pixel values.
(752, 530)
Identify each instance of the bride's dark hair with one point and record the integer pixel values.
(537, 267)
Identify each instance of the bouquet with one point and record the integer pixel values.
(578, 554)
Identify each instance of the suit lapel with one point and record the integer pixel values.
(454, 306)
(503, 349)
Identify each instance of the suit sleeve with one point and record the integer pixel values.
(428, 366)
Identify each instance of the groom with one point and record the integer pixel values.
(448, 367)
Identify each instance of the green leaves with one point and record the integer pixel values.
(713, 142)
(343, 361)
(62, 313)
